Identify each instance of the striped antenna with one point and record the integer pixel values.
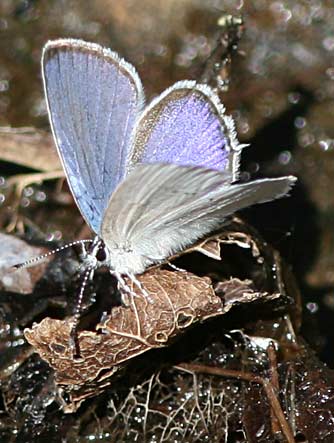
(54, 251)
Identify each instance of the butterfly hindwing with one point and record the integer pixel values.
(160, 209)
(187, 125)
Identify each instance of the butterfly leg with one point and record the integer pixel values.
(127, 289)
(74, 344)
(134, 279)
(176, 268)
(123, 287)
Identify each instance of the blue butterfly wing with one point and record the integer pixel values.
(94, 99)
(187, 125)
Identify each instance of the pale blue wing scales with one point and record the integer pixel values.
(187, 125)
(161, 209)
(94, 99)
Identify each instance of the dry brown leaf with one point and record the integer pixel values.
(14, 251)
(236, 232)
(180, 300)
(38, 147)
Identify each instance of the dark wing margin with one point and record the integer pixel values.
(94, 98)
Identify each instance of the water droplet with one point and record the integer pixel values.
(300, 122)
(253, 167)
(243, 126)
(306, 139)
(28, 191)
(260, 431)
(328, 43)
(285, 157)
(40, 196)
(4, 85)
(25, 202)
(312, 307)
(3, 24)
(330, 72)
(294, 97)
(245, 176)
(326, 145)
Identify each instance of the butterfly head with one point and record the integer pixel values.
(95, 255)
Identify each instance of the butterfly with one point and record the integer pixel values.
(148, 180)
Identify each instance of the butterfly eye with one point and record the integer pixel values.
(101, 255)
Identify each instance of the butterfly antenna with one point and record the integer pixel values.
(76, 316)
(54, 251)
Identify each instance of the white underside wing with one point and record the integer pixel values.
(162, 208)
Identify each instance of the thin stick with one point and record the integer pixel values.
(275, 425)
(240, 375)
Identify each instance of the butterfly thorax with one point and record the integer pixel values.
(120, 258)
(124, 260)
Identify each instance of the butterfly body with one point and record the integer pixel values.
(148, 181)
(123, 259)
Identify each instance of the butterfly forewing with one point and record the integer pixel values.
(187, 125)
(93, 98)
(160, 209)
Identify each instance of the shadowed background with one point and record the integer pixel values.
(281, 96)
